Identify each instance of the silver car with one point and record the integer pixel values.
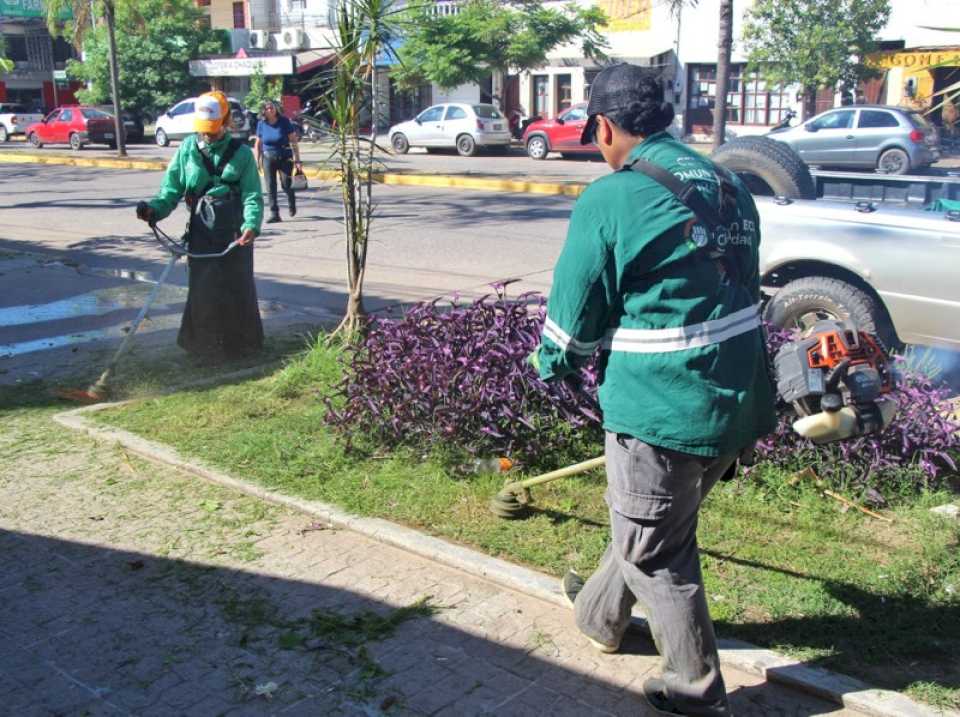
(456, 124)
(891, 140)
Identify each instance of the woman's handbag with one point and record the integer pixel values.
(298, 181)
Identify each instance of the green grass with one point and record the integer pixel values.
(784, 567)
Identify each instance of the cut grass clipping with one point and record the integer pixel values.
(785, 567)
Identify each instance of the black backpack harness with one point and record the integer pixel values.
(715, 219)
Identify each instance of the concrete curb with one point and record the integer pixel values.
(846, 691)
(401, 179)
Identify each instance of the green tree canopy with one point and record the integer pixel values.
(813, 43)
(156, 39)
(262, 89)
(491, 36)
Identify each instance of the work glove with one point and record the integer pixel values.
(146, 213)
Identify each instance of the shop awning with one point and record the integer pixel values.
(312, 59)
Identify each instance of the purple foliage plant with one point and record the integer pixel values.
(455, 376)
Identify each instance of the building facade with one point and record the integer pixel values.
(38, 79)
(684, 48)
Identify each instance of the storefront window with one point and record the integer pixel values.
(749, 99)
(540, 87)
(564, 93)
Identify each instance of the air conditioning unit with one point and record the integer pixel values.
(292, 38)
(260, 39)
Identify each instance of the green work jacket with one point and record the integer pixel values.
(187, 173)
(673, 306)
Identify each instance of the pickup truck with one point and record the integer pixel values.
(895, 271)
(14, 119)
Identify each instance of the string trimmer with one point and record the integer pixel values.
(98, 390)
(836, 378)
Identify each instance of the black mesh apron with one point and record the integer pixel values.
(222, 318)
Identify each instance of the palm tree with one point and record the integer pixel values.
(85, 13)
(364, 29)
(724, 48)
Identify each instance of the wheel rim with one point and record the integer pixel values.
(807, 319)
(74, 141)
(399, 143)
(34, 140)
(537, 148)
(161, 137)
(892, 163)
(466, 145)
(3, 134)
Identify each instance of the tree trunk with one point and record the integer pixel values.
(809, 102)
(115, 80)
(723, 73)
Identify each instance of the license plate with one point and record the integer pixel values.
(108, 135)
(498, 126)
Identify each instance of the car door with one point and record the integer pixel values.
(874, 128)
(46, 130)
(428, 127)
(182, 116)
(828, 139)
(456, 121)
(60, 132)
(566, 137)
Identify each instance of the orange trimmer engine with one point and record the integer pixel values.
(839, 381)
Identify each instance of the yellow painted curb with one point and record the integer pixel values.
(439, 181)
(489, 184)
(25, 158)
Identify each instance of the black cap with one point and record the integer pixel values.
(616, 88)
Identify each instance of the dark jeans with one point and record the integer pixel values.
(272, 165)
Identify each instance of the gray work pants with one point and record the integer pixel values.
(654, 496)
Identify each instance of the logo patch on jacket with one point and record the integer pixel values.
(696, 235)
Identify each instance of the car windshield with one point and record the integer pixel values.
(95, 114)
(918, 120)
(487, 112)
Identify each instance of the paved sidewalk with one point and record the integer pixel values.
(132, 589)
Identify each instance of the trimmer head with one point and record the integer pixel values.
(506, 504)
(94, 394)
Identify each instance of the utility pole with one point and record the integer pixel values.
(115, 78)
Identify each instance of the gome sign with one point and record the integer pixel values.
(242, 66)
(915, 60)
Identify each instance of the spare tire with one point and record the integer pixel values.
(768, 167)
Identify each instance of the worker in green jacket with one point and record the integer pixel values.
(671, 298)
(217, 175)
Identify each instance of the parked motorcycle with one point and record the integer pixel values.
(784, 123)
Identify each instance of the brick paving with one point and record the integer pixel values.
(131, 589)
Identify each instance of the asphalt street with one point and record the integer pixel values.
(75, 264)
(515, 163)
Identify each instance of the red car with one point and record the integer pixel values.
(75, 125)
(558, 135)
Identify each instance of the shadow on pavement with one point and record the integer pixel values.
(94, 630)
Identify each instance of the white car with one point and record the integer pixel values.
(14, 119)
(177, 122)
(456, 124)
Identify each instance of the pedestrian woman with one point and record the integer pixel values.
(217, 175)
(278, 151)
